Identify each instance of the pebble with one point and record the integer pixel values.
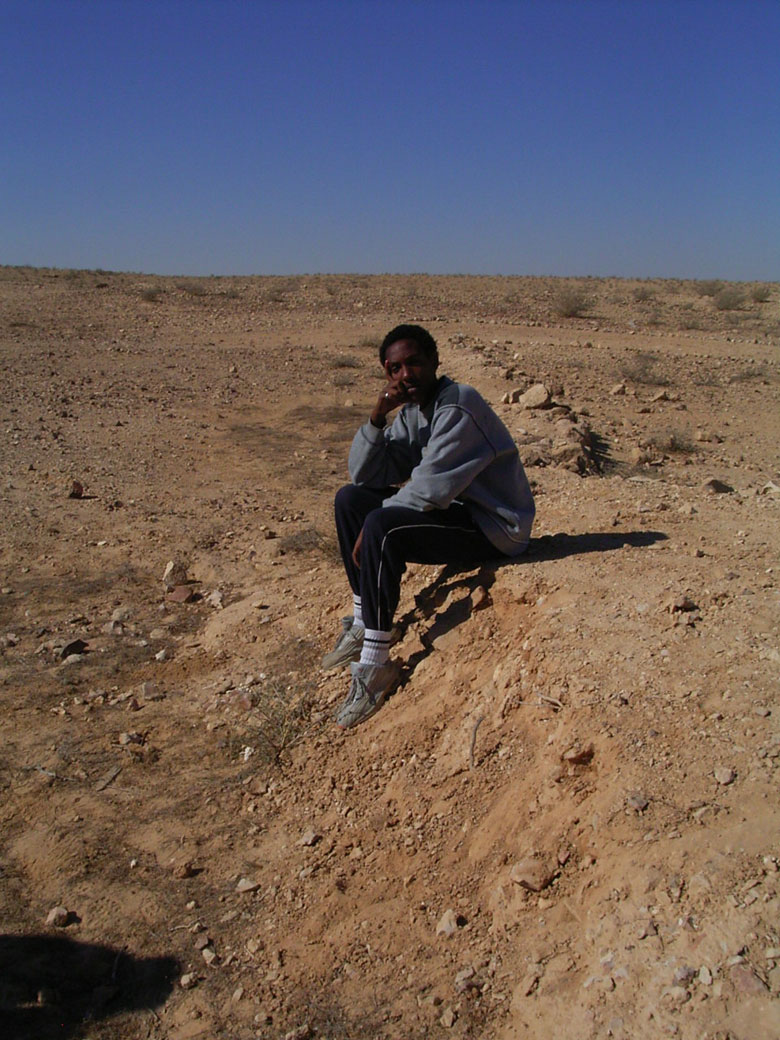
(717, 487)
(181, 594)
(448, 923)
(247, 885)
(58, 917)
(188, 980)
(175, 573)
(724, 776)
(533, 874)
(746, 981)
(309, 838)
(537, 396)
(208, 954)
(448, 1018)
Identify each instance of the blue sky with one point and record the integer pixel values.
(568, 137)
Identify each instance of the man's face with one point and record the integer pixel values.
(411, 370)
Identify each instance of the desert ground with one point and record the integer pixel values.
(564, 823)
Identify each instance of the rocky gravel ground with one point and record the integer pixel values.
(568, 811)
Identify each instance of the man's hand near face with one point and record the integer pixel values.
(391, 398)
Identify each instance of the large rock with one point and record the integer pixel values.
(537, 396)
(533, 873)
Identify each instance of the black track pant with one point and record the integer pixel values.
(395, 536)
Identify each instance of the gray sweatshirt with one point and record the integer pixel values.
(456, 448)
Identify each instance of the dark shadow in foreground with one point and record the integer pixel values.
(548, 547)
(52, 987)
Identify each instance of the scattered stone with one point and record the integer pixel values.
(448, 1018)
(58, 917)
(161, 655)
(705, 975)
(537, 396)
(184, 870)
(208, 954)
(717, 487)
(175, 573)
(309, 838)
(618, 390)
(647, 930)
(465, 980)
(681, 604)
(533, 874)
(637, 801)
(215, 599)
(529, 981)
(480, 598)
(75, 648)
(448, 924)
(675, 996)
(202, 940)
(247, 885)
(579, 756)
(724, 775)
(76, 489)
(181, 594)
(188, 980)
(746, 981)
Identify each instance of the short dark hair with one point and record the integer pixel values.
(416, 333)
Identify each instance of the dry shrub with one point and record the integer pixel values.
(675, 442)
(728, 299)
(710, 288)
(644, 294)
(192, 288)
(370, 342)
(152, 295)
(346, 361)
(760, 293)
(282, 717)
(571, 303)
(642, 369)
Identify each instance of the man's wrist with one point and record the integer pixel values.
(379, 421)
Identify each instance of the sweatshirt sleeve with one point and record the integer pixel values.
(382, 458)
(456, 453)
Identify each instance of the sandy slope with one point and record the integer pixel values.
(605, 725)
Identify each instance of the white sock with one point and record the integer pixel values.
(376, 647)
(357, 612)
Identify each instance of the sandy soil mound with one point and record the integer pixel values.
(563, 823)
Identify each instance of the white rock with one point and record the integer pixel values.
(58, 917)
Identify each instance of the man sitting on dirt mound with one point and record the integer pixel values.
(464, 499)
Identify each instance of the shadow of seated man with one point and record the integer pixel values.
(51, 985)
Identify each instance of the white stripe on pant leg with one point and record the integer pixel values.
(408, 527)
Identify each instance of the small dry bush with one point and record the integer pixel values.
(370, 342)
(152, 295)
(571, 303)
(710, 288)
(342, 379)
(760, 293)
(308, 539)
(346, 361)
(281, 717)
(675, 442)
(644, 294)
(728, 299)
(642, 368)
(192, 288)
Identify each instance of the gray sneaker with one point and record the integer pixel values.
(371, 683)
(348, 645)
